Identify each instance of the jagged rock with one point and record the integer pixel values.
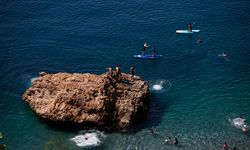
(87, 98)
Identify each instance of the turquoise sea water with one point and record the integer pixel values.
(201, 91)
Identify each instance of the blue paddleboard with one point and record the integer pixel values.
(187, 31)
(148, 56)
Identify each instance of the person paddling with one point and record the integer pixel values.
(154, 52)
(144, 48)
(190, 27)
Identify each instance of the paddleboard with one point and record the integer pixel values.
(148, 56)
(187, 31)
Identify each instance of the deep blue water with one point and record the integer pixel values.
(201, 91)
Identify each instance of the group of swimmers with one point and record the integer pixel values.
(167, 141)
(226, 147)
(244, 130)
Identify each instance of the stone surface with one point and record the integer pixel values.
(91, 99)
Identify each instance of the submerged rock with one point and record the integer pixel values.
(89, 99)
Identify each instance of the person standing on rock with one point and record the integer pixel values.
(118, 71)
(110, 72)
(132, 70)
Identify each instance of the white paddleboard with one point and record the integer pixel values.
(187, 31)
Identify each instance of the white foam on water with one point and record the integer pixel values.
(160, 85)
(92, 138)
(157, 87)
(239, 123)
(88, 139)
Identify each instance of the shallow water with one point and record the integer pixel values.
(88, 36)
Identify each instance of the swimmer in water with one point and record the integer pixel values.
(199, 40)
(152, 132)
(168, 140)
(225, 146)
(245, 130)
(224, 54)
(176, 141)
(243, 119)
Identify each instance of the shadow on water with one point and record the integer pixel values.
(71, 127)
(157, 107)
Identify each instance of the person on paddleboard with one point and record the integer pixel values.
(154, 51)
(190, 27)
(144, 48)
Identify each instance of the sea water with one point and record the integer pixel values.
(89, 36)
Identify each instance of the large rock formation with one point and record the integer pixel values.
(90, 99)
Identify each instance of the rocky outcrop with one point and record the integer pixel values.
(89, 99)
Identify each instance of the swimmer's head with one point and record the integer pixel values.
(244, 130)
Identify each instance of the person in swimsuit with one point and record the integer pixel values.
(132, 70)
(176, 141)
(190, 27)
(118, 71)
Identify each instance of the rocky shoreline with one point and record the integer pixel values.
(99, 100)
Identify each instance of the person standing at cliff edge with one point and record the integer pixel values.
(118, 71)
(132, 70)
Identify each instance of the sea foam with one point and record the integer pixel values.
(160, 85)
(88, 139)
(157, 87)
